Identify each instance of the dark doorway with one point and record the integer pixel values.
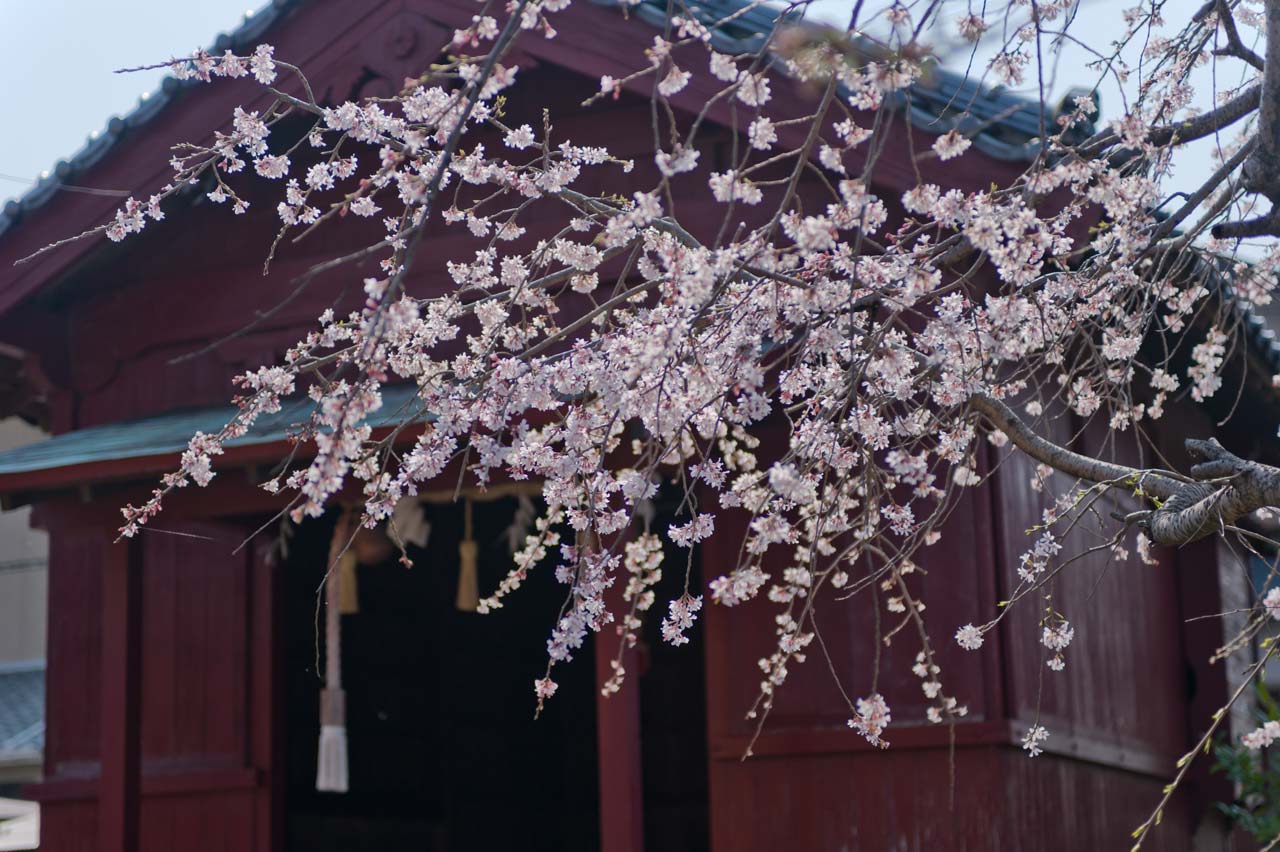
(444, 751)
(673, 712)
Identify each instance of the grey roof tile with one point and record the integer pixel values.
(22, 710)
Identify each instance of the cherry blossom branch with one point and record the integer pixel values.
(1225, 489)
(1186, 130)
(1141, 833)
(1158, 484)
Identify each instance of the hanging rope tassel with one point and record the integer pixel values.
(468, 599)
(331, 761)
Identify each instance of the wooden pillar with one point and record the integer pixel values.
(266, 752)
(119, 780)
(618, 738)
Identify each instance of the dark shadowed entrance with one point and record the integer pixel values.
(444, 751)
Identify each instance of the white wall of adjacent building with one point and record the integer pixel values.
(23, 568)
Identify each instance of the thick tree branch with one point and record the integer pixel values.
(1226, 488)
(1262, 169)
(1258, 226)
(1156, 484)
(1189, 130)
(1238, 488)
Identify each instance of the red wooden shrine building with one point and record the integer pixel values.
(182, 682)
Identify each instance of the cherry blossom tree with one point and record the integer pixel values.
(626, 353)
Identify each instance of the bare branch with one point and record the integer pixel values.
(1235, 47)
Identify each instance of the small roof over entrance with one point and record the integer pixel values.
(128, 448)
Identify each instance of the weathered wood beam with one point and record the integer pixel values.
(119, 787)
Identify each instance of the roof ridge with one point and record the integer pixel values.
(1000, 123)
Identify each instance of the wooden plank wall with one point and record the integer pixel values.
(1117, 713)
(205, 746)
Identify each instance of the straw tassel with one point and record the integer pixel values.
(331, 761)
(468, 599)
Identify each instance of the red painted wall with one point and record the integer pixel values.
(108, 329)
(205, 670)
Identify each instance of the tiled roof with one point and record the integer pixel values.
(1002, 123)
(1254, 321)
(21, 710)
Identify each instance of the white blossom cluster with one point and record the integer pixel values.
(635, 347)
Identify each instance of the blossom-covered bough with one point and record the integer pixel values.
(635, 349)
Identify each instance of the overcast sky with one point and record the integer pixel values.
(57, 59)
(56, 64)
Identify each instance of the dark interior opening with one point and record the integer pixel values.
(444, 750)
(673, 714)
